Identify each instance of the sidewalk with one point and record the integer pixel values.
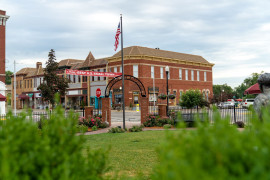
(128, 125)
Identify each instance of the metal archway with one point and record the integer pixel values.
(126, 77)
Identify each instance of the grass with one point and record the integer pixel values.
(130, 154)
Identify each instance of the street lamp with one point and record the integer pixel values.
(221, 95)
(120, 88)
(167, 74)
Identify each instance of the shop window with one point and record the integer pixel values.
(136, 99)
(152, 72)
(98, 78)
(135, 70)
(186, 74)
(104, 78)
(118, 98)
(161, 72)
(181, 93)
(153, 97)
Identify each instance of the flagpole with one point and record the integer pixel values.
(123, 75)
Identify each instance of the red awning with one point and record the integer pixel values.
(2, 97)
(254, 89)
(23, 96)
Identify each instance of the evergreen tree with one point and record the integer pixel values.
(8, 77)
(52, 82)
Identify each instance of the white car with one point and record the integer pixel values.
(226, 105)
(247, 103)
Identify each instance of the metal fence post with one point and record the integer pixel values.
(234, 114)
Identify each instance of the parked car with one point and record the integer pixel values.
(224, 105)
(247, 103)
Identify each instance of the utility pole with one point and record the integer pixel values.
(15, 87)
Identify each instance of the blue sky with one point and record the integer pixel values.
(232, 34)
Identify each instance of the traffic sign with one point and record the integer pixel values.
(98, 92)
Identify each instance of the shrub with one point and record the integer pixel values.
(52, 152)
(103, 125)
(82, 128)
(239, 124)
(162, 121)
(150, 120)
(116, 130)
(135, 129)
(217, 151)
(167, 126)
(96, 120)
(94, 128)
(172, 115)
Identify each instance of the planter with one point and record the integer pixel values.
(171, 96)
(162, 96)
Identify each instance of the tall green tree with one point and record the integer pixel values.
(222, 93)
(192, 98)
(239, 90)
(52, 82)
(8, 77)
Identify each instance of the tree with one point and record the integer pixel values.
(192, 98)
(222, 93)
(8, 77)
(52, 82)
(239, 90)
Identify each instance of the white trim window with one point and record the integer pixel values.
(192, 75)
(161, 73)
(180, 74)
(186, 74)
(205, 78)
(115, 69)
(135, 70)
(152, 72)
(198, 75)
(120, 69)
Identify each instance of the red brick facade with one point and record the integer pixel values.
(176, 85)
(2, 45)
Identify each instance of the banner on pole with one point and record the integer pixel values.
(91, 73)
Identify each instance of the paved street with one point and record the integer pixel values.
(130, 116)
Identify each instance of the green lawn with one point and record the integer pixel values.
(130, 153)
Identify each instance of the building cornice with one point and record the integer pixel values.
(160, 59)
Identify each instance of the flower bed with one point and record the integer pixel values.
(153, 120)
(95, 121)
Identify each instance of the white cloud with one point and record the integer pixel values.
(232, 34)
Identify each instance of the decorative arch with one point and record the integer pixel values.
(126, 77)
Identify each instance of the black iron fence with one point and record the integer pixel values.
(234, 114)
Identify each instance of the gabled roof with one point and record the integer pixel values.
(88, 61)
(91, 61)
(69, 62)
(144, 51)
(25, 71)
(36, 72)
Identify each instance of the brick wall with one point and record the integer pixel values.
(2, 49)
(175, 84)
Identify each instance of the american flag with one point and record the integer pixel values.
(118, 32)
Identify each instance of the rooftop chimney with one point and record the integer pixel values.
(39, 65)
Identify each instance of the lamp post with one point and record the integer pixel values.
(167, 75)
(222, 91)
(121, 97)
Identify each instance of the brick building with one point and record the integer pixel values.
(3, 19)
(186, 72)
